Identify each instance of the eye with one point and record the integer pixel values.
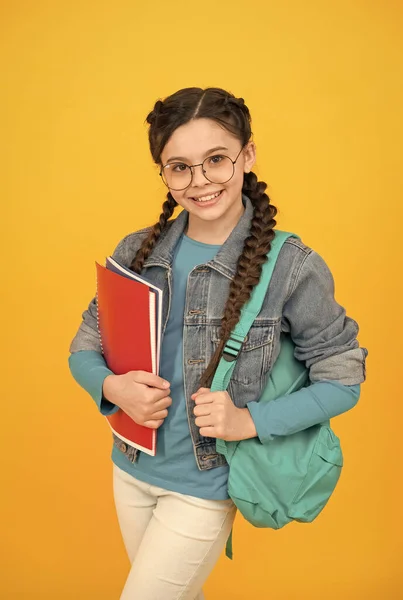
(213, 160)
(178, 167)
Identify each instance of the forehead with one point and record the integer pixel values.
(194, 138)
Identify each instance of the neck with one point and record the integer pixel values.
(214, 232)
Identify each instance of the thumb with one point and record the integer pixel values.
(150, 379)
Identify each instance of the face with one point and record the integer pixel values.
(193, 142)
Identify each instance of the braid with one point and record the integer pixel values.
(232, 114)
(152, 116)
(148, 244)
(249, 266)
(231, 102)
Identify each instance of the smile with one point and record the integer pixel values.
(209, 198)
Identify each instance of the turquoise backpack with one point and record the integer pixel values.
(291, 477)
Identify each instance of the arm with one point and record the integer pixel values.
(87, 336)
(326, 341)
(324, 336)
(89, 369)
(308, 406)
(86, 361)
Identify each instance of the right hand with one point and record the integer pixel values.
(141, 395)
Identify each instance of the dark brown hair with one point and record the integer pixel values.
(231, 113)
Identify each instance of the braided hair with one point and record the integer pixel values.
(233, 114)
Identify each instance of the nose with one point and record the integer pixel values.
(198, 176)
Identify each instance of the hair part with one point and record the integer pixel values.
(231, 113)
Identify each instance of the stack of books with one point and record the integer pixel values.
(129, 325)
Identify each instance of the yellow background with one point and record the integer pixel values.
(323, 81)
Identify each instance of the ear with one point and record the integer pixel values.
(250, 157)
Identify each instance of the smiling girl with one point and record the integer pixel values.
(173, 509)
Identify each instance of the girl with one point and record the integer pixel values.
(173, 509)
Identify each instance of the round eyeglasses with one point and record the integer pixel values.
(216, 168)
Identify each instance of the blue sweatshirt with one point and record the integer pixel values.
(174, 467)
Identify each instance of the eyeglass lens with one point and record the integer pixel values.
(217, 169)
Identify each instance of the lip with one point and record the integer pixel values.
(210, 202)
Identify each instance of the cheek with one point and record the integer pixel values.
(234, 186)
(179, 197)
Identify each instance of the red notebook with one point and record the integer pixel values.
(129, 324)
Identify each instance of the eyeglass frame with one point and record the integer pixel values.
(191, 167)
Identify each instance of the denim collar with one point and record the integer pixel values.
(225, 261)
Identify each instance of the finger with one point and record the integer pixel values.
(204, 421)
(202, 410)
(161, 414)
(153, 424)
(204, 399)
(208, 432)
(154, 394)
(200, 391)
(161, 404)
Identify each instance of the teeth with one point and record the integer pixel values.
(207, 198)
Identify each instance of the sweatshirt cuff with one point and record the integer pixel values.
(89, 369)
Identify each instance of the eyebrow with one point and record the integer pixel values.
(206, 154)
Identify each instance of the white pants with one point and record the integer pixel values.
(173, 540)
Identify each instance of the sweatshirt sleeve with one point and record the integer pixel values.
(88, 367)
(299, 410)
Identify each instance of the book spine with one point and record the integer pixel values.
(99, 330)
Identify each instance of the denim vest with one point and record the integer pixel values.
(300, 300)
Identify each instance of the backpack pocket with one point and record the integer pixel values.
(288, 479)
(323, 472)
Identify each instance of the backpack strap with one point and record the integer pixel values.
(231, 351)
(249, 312)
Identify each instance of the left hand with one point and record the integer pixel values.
(217, 416)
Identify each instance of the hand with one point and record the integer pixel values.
(142, 395)
(217, 416)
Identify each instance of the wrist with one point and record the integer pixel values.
(249, 429)
(108, 405)
(106, 386)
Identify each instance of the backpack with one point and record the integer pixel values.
(291, 477)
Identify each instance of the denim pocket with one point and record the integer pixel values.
(129, 451)
(255, 357)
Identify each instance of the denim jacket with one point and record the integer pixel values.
(300, 301)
